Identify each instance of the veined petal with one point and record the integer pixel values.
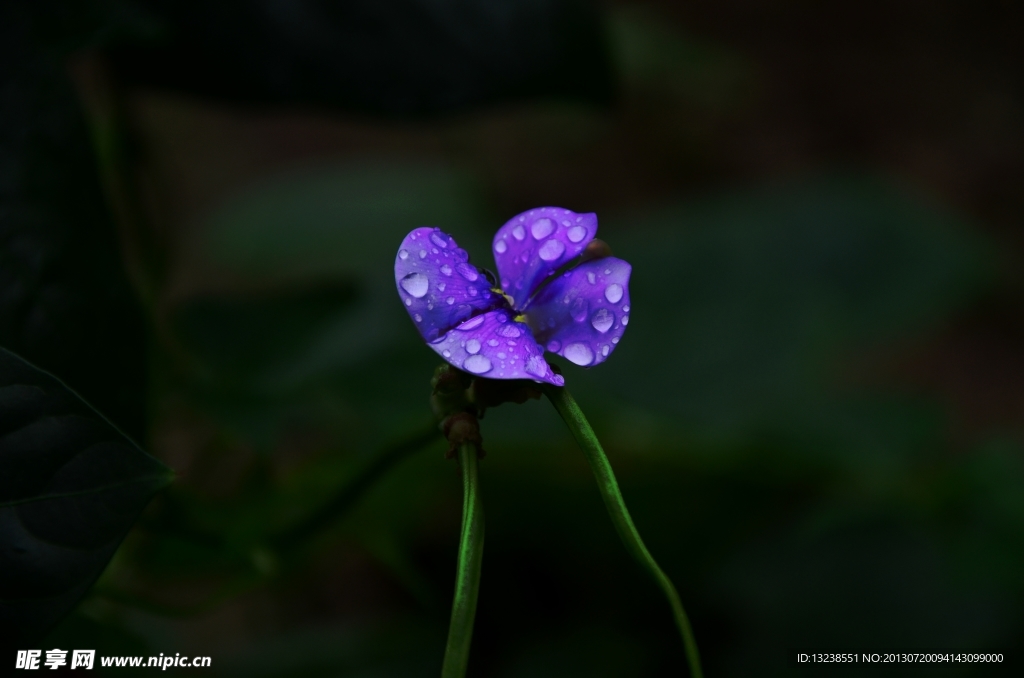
(493, 345)
(531, 246)
(582, 315)
(437, 284)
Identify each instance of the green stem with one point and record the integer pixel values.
(467, 581)
(573, 417)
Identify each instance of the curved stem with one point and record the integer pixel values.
(467, 581)
(573, 417)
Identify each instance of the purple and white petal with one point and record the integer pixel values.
(582, 315)
(532, 245)
(437, 284)
(495, 346)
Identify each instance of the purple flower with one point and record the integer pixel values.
(501, 332)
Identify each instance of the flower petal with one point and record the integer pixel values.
(438, 285)
(532, 245)
(581, 316)
(493, 345)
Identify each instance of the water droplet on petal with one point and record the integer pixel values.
(472, 291)
(591, 278)
(469, 273)
(602, 320)
(492, 342)
(500, 247)
(625, 308)
(446, 353)
(504, 283)
(438, 239)
(604, 350)
(613, 292)
(501, 356)
(551, 250)
(536, 366)
(470, 324)
(607, 271)
(625, 320)
(579, 353)
(578, 310)
(415, 284)
(446, 269)
(518, 232)
(509, 331)
(477, 364)
(423, 254)
(450, 300)
(615, 340)
(440, 286)
(403, 254)
(553, 346)
(542, 228)
(418, 317)
(577, 233)
(408, 301)
(472, 347)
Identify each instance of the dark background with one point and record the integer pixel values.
(817, 414)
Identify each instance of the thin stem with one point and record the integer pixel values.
(467, 581)
(573, 417)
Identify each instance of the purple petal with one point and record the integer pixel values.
(437, 284)
(532, 245)
(581, 316)
(493, 345)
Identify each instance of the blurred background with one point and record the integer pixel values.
(817, 415)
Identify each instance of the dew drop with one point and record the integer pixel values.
(501, 356)
(477, 364)
(446, 269)
(542, 228)
(472, 291)
(615, 340)
(553, 346)
(500, 247)
(438, 239)
(625, 308)
(470, 324)
(578, 310)
(440, 287)
(446, 353)
(613, 293)
(450, 300)
(408, 301)
(604, 350)
(492, 342)
(423, 254)
(607, 271)
(625, 320)
(469, 273)
(602, 320)
(510, 342)
(591, 278)
(418, 317)
(579, 353)
(504, 283)
(509, 331)
(536, 366)
(403, 254)
(472, 347)
(551, 250)
(577, 233)
(415, 284)
(519, 232)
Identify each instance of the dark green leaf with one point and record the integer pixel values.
(71, 485)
